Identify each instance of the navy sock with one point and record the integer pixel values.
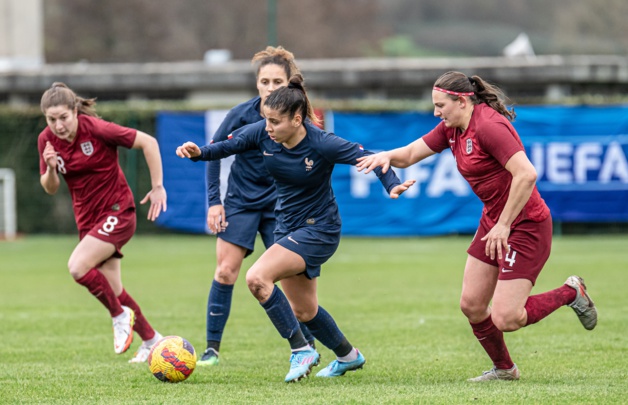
(324, 328)
(280, 313)
(218, 308)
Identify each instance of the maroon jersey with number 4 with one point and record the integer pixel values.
(481, 152)
(89, 165)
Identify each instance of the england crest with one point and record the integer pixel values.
(469, 146)
(87, 148)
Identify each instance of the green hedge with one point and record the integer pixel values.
(39, 212)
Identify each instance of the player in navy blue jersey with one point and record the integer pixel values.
(301, 158)
(249, 203)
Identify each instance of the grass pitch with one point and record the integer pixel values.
(395, 299)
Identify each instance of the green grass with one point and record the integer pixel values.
(395, 299)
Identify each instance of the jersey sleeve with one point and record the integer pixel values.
(437, 139)
(246, 138)
(213, 183)
(339, 150)
(228, 125)
(499, 140)
(112, 133)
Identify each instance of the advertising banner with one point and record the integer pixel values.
(580, 154)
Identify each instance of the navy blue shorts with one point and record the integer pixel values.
(313, 245)
(244, 226)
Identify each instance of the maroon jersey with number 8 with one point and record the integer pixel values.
(89, 165)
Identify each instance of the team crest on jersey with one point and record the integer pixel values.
(87, 148)
(469, 146)
(308, 164)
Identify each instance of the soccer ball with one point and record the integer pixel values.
(172, 359)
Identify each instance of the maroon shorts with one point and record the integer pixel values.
(113, 227)
(530, 245)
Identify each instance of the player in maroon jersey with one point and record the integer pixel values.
(83, 148)
(514, 237)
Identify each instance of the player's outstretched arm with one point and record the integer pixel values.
(189, 150)
(400, 157)
(370, 162)
(401, 188)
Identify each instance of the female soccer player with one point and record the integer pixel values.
(301, 158)
(83, 148)
(514, 237)
(249, 203)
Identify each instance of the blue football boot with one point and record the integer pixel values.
(337, 368)
(301, 364)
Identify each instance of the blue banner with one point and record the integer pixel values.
(580, 157)
(580, 154)
(441, 201)
(184, 180)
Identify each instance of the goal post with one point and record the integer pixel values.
(8, 212)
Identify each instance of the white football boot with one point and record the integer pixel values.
(123, 330)
(141, 355)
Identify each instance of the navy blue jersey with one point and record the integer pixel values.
(250, 186)
(302, 174)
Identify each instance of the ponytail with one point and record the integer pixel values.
(457, 84)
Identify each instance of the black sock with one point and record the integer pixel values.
(343, 348)
(297, 341)
(213, 344)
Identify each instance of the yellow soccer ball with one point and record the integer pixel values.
(172, 359)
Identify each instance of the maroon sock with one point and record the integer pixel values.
(492, 340)
(100, 288)
(141, 326)
(541, 305)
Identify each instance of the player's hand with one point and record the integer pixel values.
(158, 198)
(216, 219)
(188, 150)
(370, 162)
(50, 156)
(400, 189)
(497, 241)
